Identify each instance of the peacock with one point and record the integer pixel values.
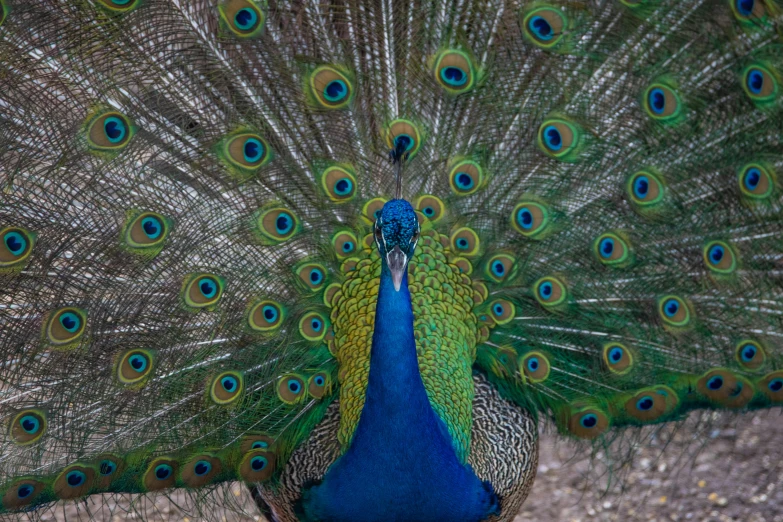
(353, 253)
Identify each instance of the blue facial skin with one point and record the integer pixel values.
(396, 233)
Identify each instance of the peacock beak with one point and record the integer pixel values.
(397, 261)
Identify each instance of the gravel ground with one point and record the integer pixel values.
(684, 473)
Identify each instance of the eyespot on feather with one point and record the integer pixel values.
(27, 427)
(330, 87)
(771, 385)
(276, 225)
(466, 177)
(161, 473)
(202, 290)
(257, 466)
(550, 292)
(243, 18)
(404, 133)
(751, 355)
(725, 388)
(544, 26)
(454, 71)
(119, 6)
(432, 207)
(74, 481)
(535, 366)
(760, 84)
(226, 388)
(265, 316)
(109, 131)
(246, 152)
(22, 493)
(145, 232)
(748, 11)
(501, 311)
(256, 441)
(645, 189)
(312, 276)
(588, 423)
(291, 388)
(530, 219)
(661, 102)
(16, 245)
(313, 326)
(134, 367)
(674, 311)
(499, 267)
(649, 404)
(319, 384)
(612, 249)
(371, 210)
(64, 327)
(339, 183)
(719, 257)
(756, 181)
(464, 242)
(345, 244)
(201, 470)
(617, 358)
(109, 468)
(559, 139)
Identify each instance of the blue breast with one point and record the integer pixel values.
(401, 465)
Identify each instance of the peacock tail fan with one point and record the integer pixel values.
(187, 267)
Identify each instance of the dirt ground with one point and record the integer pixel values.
(732, 471)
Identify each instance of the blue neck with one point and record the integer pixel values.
(401, 464)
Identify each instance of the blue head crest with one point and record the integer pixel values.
(396, 233)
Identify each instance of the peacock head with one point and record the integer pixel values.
(396, 233)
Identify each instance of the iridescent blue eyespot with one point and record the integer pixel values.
(715, 383)
(207, 287)
(589, 421)
(745, 7)
(404, 141)
(657, 100)
(553, 139)
(525, 218)
(152, 227)
(294, 386)
(428, 211)
(316, 325)
(30, 424)
(498, 268)
(671, 307)
(755, 81)
(270, 313)
(752, 178)
(348, 246)
(533, 364)
(258, 463)
(284, 223)
(541, 28)
(641, 186)
(748, 352)
(316, 276)
(343, 187)
(453, 76)
(163, 471)
(107, 467)
(606, 247)
(138, 362)
(15, 242)
(336, 91)
(75, 478)
(545, 290)
(246, 18)
(115, 129)
(319, 380)
(464, 181)
(616, 354)
(462, 243)
(253, 150)
(202, 467)
(260, 444)
(70, 321)
(775, 385)
(645, 403)
(497, 309)
(229, 383)
(24, 491)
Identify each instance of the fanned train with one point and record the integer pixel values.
(353, 253)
